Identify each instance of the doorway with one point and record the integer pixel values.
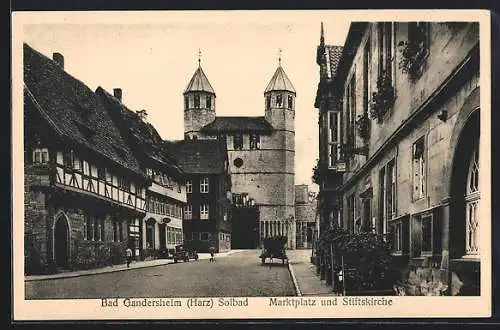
(61, 242)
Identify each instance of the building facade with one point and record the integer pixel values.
(305, 215)
(161, 228)
(84, 189)
(407, 114)
(207, 214)
(261, 150)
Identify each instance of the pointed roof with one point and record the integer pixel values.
(199, 83)
(280, 82)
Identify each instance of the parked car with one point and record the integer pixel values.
(184, 253)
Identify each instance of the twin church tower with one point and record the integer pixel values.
(261, 150)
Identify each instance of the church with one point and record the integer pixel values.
(261, 150)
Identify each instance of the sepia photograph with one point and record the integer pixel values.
(251, 164)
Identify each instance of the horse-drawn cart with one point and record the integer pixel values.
(274, 248)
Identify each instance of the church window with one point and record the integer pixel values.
(279, 100)
(197, 101)
(254, 141)
(472, 198)
(238, 141)
(208, 102)
(268, 102)
(290, 102)
(186, 102)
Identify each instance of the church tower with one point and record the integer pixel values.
(279, 97)
(199, 103)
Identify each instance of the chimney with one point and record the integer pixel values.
(59, 59)
(118, 93)
(143, 114)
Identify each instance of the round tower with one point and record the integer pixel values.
(199, 103)
(279, 97)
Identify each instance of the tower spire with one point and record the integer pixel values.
(199, 57)
(279, 56)
(322, 37)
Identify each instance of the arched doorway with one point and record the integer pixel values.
(61, 241)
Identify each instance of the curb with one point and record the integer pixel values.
(63, 276)
(294, 279)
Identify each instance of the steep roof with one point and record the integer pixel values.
(280, 82)
(238, 124)
(73, 110)
(333, 55)
(199, 82)
(142, 135)
(198, 156)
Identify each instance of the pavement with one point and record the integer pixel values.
(121, 267)
(303, 272)
(235, 274)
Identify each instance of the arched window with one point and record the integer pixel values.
(279, 100)
(472, 204)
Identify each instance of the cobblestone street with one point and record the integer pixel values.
(240, 274)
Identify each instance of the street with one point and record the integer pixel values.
(239, 274)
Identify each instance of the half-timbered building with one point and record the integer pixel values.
(84, 188)
(161, 228)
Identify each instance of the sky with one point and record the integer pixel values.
(153, 58)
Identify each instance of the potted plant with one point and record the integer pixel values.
(383, 99)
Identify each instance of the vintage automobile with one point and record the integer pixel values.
(274, 248)
(184, 253)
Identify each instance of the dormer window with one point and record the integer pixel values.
(279, 100)
(197, 101)
(290, 102)
(208, 102)
(41, 155)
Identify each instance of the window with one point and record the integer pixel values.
(351, 111)
(472, 198)
(186, 102)
(333, 138)
(87, 228)
(418, 40)
(351, 213)
(366, 77)
(197, 101)
(254, 141)
(86, 168)
(387, 194)
(426, 222)
(123, 183)
(268, 102)
(290, 102)
(385, 50)
(204, 185)
(115, 231)
(397, 245)
(238, 141)
(204, 211)
(189, 186)
(204, 236)
(150, 233)
(419, 169)
(76, 163)
(279, 100)
(41, 156)
(208, 102)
